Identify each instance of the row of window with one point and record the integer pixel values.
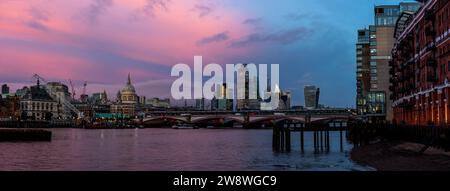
(38, 106)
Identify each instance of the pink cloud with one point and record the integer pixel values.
(55, 41)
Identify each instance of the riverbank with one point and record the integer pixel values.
(401, 156)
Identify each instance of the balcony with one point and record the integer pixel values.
(432, 47)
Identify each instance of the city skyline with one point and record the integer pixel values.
(94, 40)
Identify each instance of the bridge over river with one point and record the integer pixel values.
(251, 119)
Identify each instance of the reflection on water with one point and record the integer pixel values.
(169, 149)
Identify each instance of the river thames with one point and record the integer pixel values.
(171, 150)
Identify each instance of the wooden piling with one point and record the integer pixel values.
(341, 139)
(275, 139)
(288, 139)
(282, 141)
(328, 139)
(315, 140)
(302, 139)
(321, 139)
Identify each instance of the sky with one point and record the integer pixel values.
(101, 41)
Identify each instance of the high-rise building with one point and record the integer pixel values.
(5, 89)
(312, 95)
(285, 101)
(372, 101)
(99, 98)
(244, 90)
(200, 104)
(420, 67)
(362, 70)
(158, 103)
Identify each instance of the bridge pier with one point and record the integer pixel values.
(321, 139)
(276, 139)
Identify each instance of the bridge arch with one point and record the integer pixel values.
(218, 120)
(164, 120)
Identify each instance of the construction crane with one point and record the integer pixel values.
(65, 103)
(73, 89)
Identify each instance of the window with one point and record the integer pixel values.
(359, 58)
(358, 52)
(373, 64)
(373, 36)
(373, 70)
(359, 46)
(373, 51)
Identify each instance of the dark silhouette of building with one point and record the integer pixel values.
(5, 89)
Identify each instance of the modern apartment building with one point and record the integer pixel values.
(373, 58)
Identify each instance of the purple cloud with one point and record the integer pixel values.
(39, 17)
(96, 8)
(202, 10)
(252, 21)
(214, 38)
(283, 37)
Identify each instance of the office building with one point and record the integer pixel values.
(312, 95)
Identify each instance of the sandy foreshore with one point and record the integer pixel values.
(401, 156)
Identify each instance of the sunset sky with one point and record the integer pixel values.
(101, 41)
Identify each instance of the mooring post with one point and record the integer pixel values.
(328, 139)
(321, 138)
(315, 139)
(282, 138)
(341, 138)
(275, 140)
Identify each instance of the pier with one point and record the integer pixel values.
(25, 135)
(282, 135)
